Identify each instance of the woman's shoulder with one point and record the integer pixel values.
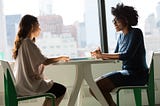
(27, 41)
(138, 30)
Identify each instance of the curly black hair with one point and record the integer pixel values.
(127, 13)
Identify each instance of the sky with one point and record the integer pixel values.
(144, 8)
(70, 13)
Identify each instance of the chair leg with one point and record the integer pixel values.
(138, 96)
(151, 97)
(118, 97)
(53, 102)
(150, 89)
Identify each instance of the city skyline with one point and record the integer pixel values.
(91, 29)
(70, 13)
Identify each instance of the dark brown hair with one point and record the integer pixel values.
(25, 27)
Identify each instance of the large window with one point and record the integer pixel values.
(149, 22)
(72, 27)
(68, 27)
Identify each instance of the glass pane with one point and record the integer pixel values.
(149, 22)
(68, 27)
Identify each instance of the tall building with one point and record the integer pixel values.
(51, 23)
(45, 7)
(81, 34)
(57, 39)
(150, 24)
(158, 16)
(91, 19)
(12, 22)
(81, 39)
(3, 38)
(158, 11)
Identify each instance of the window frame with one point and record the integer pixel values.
(103, 26)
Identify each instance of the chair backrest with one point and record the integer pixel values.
(149, 58)
(151, 67)
(9, 85)
(5, 66)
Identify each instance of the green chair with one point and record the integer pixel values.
(149, 87)
(11, 98)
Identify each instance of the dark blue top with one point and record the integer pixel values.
(132, 50)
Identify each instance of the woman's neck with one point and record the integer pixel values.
(126, 30)
(31, 36)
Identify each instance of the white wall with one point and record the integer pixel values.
(65, 74)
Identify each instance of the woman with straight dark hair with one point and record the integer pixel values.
(30, 62)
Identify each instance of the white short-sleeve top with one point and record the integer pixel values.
(28, 70)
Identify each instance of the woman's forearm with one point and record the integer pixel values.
(54, 60)
(110, 56)
(51, 60)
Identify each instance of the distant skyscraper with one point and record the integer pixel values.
(158, 16)
(45, 7)
(81, 34)
(12, 26)
(3, 39)
(158, 11)
(92, 22)
(150, 24)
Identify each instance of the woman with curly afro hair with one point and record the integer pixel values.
(130, 50)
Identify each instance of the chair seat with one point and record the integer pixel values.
(20, 98)
(149, 87)
(128, 87)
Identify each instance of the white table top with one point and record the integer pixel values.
(85, 60)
